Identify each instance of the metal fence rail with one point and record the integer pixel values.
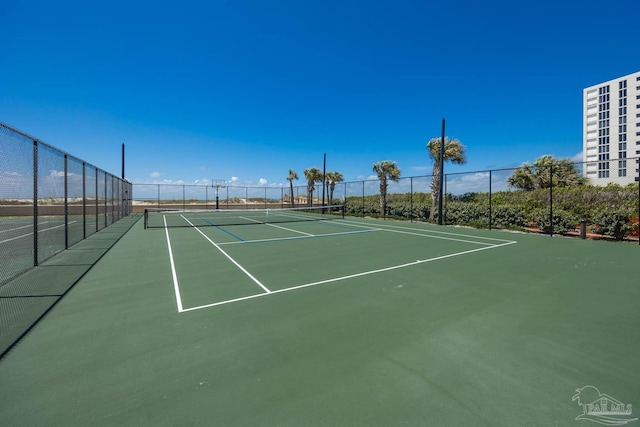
(484, 199)
(49, 201)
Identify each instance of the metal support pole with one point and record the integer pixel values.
(84, 201)
(105, 199)
(97, 210)
(362, 199)
(35, 203)
(66, 203)
(411, 202)
(444, 202)
(551, 199)
(441, 183)
(490, 217)
(324, 176)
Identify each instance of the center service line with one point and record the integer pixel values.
(350, 276)
(176, 287)
(229, 257)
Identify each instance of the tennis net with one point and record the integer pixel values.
(162, 218)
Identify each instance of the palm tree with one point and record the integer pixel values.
(546, 171)
(292, 175)
(385, 170)
(313, 175)
(523, 178)
(331, 179)
(566, 174)
(453, 152)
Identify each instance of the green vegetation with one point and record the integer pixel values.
(292, 175)
(313, 175)
(546, 171)
(385, 170)
(454, 152)
(611, 211)
(331, 179)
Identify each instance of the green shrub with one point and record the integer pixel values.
(563, 221)
(615, 223)
(461, 213)
(506, 216)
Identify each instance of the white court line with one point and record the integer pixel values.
(310, 236)
(228, 256)
(31, 234)
(176, 287)
(249, 219)
(438, 237)
(290, 229)
(23, 226)
(337, 279)
(418, 232)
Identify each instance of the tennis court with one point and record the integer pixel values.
(335, 321)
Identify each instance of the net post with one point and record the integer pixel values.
(146, 217)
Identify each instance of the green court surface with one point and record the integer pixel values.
(334, 323)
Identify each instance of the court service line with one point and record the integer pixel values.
(276, 226)
(228, 256)
(176, 287)
(414, 233)
(290, 229)
(311, 236)
(424, 233)
(223, 230)
(360, 224)
(350, 276)
(439, 237)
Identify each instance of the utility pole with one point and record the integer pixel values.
(441, 178)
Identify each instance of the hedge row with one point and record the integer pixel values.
(612, 211)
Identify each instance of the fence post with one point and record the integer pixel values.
(411, 202)
(66, 205)
(35, 203)
(105, 199)
(113, 199)
(96, 202)
(345, 196)
(84, 200)
(551, 199)
(490, 206)
(362, 199)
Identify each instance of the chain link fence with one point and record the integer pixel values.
(49, 201)
(541, 199)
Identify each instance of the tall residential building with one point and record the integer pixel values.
(611, 130)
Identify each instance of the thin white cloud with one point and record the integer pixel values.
(577, 157)
(155, 174)
(262, 181)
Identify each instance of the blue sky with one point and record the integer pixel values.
(246, 90)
